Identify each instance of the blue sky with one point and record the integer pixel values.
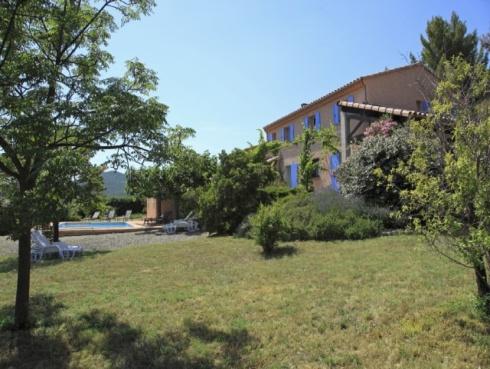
(227, 68)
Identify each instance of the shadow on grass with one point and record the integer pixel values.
(122, 346)
(161, 232)
(35, 348)
(280, 252)
(10, 264)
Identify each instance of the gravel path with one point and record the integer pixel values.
(110, 241)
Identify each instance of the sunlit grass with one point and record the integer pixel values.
(217, 303)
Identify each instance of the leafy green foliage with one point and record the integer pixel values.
(238, 187)
(122, 204)
(450, 170)
(267, 227)
(308, 166)
(370, 172)
(55, 103)
(181, 170)
(323, 216)
(446, 40)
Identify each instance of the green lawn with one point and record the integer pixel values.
(217, 303)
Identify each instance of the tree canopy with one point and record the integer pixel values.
(54, 100)
(449, 171)
(447, 39)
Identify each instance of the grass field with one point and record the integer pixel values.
(217, 303)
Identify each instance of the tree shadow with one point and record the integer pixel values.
(54, 337)
(126, 347)
(8, 264)
(280, 252)
(34, 348)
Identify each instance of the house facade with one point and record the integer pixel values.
(401, 92)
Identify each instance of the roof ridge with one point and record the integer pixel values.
(351, 83)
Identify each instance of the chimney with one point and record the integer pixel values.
(303, 105)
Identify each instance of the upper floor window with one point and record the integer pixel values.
(287, 133)
(273, 136)
(312, 121)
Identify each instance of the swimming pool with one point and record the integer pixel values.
(94, 225)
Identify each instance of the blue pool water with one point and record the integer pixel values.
(95, 225)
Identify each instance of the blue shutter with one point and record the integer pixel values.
(281, 134)
(350, 98)
(294, 175)
(269, 136)
(306, 122)
(424, 106)
(291, 132)
(317, 121)
(334, 164)
(336, 114)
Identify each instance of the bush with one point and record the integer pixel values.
(363, 228)
(121, 204)
(371, 171)
(267, 227)
(327, 216)
(245, 228)
(236, 189)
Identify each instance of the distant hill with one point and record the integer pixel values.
(115, 184)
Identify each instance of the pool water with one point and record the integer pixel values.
(95, 225)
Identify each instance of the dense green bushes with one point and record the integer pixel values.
(237, 188)
(121, 204)
(371, 171)
(267, 227)
(320, 216)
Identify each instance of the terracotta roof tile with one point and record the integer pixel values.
(334, 92)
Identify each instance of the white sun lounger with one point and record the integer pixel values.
(42, 246)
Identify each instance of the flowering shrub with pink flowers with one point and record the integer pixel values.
(382, 127)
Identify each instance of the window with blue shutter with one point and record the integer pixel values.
(306, 123)
(291, 132)
(281, 134)
(424, 106)
(350, 98)
(269, 136)
(336, 114)
(293, 182)
(334, 164)
(317, 121)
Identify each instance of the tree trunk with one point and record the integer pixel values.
(482, 284)
(23, 280)
(56, 231)
(481, 279)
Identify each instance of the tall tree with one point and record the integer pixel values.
(449, 171)
(53, 99)
(445, 40)
(181, 169)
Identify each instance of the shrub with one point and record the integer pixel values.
(244, 228)
(121, 204)
(235, 189)
(267, 227)
(371, 171)
(327, 216)
(362, 228)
